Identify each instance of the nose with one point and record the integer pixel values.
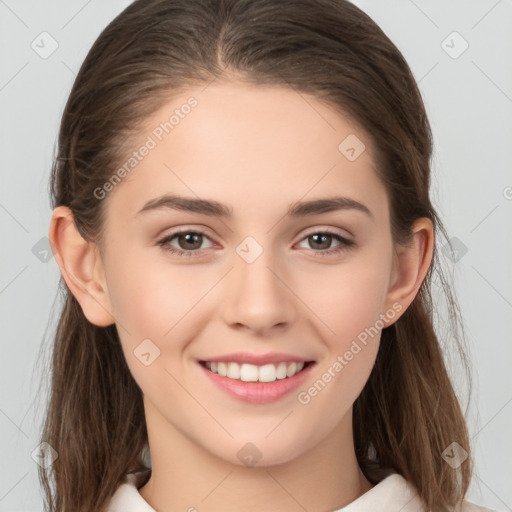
(259, 296)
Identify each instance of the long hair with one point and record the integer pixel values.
(408, 412)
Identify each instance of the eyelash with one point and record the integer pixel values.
(343, 246)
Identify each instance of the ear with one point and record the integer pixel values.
(410, 265)
(81, 267)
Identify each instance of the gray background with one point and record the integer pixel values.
(469, 102)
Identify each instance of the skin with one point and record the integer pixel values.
(282, 147)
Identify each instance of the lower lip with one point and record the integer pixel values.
(258, 392)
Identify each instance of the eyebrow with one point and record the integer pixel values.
(216, 209)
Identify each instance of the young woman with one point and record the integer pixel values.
(243, 225)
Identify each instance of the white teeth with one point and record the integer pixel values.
(281, 371)
(252, 373)
(222, 369)
(248, 372)
(233, 371)
(267, 373)
(292, 368)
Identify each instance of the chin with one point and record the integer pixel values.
(263, 453)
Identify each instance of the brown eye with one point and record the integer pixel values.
(321, 242)
(188, 243)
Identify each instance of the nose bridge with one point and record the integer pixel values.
(257, 296)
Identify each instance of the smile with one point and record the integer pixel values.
(257, 379)
(253, 373)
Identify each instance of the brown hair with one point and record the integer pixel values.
(407, 413)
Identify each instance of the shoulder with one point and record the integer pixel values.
(395, 494)
(127, 497)
(468, 506)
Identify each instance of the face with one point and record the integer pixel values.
(260, 292)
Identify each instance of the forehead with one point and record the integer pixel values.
(249, 145)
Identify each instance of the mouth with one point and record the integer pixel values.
(261, 383)
(246, 372)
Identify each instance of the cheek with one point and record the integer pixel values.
(151, 299)
(352, 311)
(349, 298)
(160, 302)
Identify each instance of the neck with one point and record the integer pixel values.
(187, 477)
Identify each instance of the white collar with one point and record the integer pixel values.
(392, 494)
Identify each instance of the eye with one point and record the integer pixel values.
(323, 239)
(189, 243)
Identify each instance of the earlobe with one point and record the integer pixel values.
(410, 266)
(81, 267)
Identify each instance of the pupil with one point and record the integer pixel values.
(189, 239)
(324, 237)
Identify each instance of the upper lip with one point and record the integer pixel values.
(257, 359)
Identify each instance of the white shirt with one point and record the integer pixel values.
(392, 494)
